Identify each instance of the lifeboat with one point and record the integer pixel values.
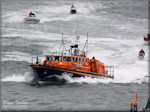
(73, 64)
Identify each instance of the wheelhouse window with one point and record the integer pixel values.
(79, 60)
(85, 60)
(64, 58)
(51, 58)
(47, 58)
(82, 60)
(75, 59)
(57, 58)
(68, 58)
(60, 58)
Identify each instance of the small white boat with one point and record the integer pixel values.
(31, 20)
(141, 55)
(73, 10)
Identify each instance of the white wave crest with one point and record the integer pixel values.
(118, 79)
(27, 77)
(81, 80)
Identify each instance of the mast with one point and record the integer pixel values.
(62, 44)
(86, 45)
(74, 45)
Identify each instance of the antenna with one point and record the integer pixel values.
(86, 44)
(62, 27)
(62, 43)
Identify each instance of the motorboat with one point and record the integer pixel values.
(141, 55)
(74, 64)
(73, 10)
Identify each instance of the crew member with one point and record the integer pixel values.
(83, 54)
(142, 52)
(76, 52)
(92, 62)
(133, 106)
(31, 14)
(72, 6)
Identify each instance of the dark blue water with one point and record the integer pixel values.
(116, 29)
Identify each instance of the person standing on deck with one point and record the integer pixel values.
(76, 52)
(72, 6)
(92, 62)
(31, 14)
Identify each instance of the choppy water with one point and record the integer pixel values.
(115, 28)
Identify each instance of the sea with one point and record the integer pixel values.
(115, 30)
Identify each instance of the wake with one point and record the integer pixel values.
(29, 77)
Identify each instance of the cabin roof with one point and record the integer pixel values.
(57, 55)
(63, 55)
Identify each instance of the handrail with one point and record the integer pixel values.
(109, 70)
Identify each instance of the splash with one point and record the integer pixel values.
(82, 80)
(27, 77)
(89, 80)
(120, 78)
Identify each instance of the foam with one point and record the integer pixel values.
(27, 77)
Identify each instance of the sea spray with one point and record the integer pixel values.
(27, 77)
(14, 78)
(80, 80)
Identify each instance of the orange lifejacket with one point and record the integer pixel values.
(133, 103)
(31, 14)
(92, 63)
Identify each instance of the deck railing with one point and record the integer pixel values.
(109, 70)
